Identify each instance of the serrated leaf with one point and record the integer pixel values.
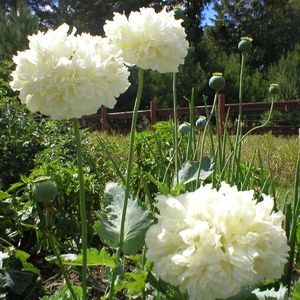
(281, 294)
(134, 283)
(189, 171)
(94, 258)
(137, 221)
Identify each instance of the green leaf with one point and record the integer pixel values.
(18, 281)
(134, 283)
(296, 291)
(189, 171)
(137, 221)
(65, 294)
(3, 195)
(94, 258)
(244, 294)
(23, 257)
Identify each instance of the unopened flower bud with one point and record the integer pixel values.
(44, 190)
(217, 81)
(245, 45)
(274, 89)
(201, 122)
(184, 128)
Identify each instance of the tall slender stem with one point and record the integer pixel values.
(128, 174)
(237, 147)
(60, 264)
(204, 134)
(82, 209)
(175, 127)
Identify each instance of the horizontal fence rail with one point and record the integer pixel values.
(154, 114)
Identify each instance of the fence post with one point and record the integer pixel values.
(103, 118)
(221, 113)
(153, 109)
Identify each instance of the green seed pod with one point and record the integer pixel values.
(201, 122)
(217, 81)
(245, 45)
(44, 190)
(274, 89)
(184, 128)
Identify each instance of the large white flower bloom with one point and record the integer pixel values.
(212, 243)
(66, 76)
(148, 39)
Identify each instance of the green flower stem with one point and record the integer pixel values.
(52, 241)
(237, 147)
(82, 209)
(128, 174)
(6, 242)
(294, 225)
(175, 128)
(203, 136)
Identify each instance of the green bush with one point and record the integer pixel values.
(286, 73)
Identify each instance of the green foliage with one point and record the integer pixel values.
(94, 258)
(20, 141)
(281, 118)
(296, 291)
(15, 25)
(285, 73)
(65, 294)
(137, 221)
(276, 28)
(189, 171)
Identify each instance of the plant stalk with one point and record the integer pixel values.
(82, 209)
(175, 128)
(128, 174)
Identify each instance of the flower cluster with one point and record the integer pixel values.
(66, 76)
(212, 243)
(148, 39)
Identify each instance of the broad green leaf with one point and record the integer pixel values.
(23, 257)
(65, 294)
(3, 195)
(18, 281)
(137, 221)
(189, 171)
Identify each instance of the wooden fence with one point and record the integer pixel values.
(154, 114)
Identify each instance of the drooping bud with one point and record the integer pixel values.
(245, 45)
(44, 190)
(184, 128)
(274, 89)
(217, 81)
(201, 122)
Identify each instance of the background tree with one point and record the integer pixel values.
(15, 24)
(274, 26)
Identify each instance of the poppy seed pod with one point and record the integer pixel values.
(274, 89)
(217, 81)
(184, 128)
(201, 122)
(44, 190)
(245, 44)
